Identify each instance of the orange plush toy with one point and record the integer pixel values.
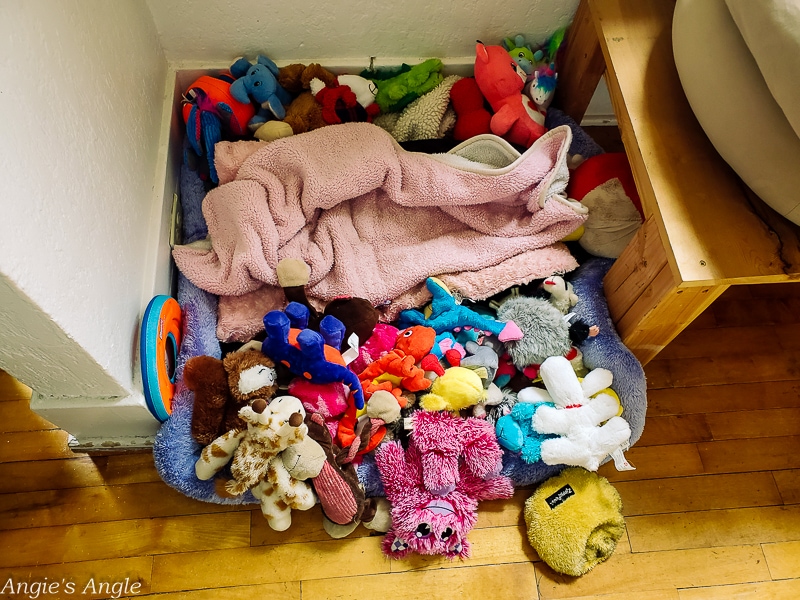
(384, 382)
(396, 371)
(501, 81)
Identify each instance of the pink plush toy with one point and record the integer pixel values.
(434, 487)
(327, 399)
(382, 341)
(501, 81)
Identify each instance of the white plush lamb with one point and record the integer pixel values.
(584, 417)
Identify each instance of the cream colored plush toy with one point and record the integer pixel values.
(257, 463)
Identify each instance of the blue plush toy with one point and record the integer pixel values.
(515, 431)
(258, 83)
(448, 315)
(308, 357)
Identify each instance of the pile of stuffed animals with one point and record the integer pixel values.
(508, 96)
(433, 400)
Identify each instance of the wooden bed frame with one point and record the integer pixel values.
(704, 229)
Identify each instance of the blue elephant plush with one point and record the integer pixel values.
(258, 83)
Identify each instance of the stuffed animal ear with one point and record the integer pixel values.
(239, 90)
(460, 550)
(393, 546)
(239, 68)
(332, 330)
(298, 314)
(263, 60)
(480, 53)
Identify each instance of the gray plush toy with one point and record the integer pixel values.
(546, 332)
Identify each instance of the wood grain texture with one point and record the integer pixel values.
(783, 559)
(714, 528)
(697, 200)
(464, 582)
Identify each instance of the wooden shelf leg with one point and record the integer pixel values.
(583, 65)
(648, 306)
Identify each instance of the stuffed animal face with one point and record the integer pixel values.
(428, 524)
(545, 331)
(423, 522)
(251, 375)
(498, 75)
(416, 341)
(364, 89)
(276, 425)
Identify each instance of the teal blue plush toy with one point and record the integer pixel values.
(516, 433)
(447, 315)
(258, 83)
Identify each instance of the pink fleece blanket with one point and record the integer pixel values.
(373, 220)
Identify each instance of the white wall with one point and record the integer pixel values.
(81, 94)
(200, 30)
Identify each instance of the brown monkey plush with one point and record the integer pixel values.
(222, 387)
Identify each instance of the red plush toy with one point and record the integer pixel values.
(605, 185)
(468, 102)
(501, 81)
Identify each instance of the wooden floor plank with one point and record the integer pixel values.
(494, 545)
(76, 472)
(657, 462)
(648, 572)
(708, 492)
(783, 559)
(17, 416)
(712, 370)
(287, 590)
(650, 595)
(722, 398)
(102, 503)
(306, 527)
(268, 564)
(675, 429)
(35, 445)
(732, 312)
(80, 577)
(768, 590)
(776, 422)
(739, 456)
(714, 528)
(462, 582)
(726, 342)
(94, 541)
(788, 483)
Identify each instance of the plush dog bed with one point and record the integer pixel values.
(175, 451)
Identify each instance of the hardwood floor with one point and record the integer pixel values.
(712, 511)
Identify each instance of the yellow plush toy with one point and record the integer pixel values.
(458, 388)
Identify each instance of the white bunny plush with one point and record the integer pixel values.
(584, 417)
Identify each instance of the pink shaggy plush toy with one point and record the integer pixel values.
(434, 487)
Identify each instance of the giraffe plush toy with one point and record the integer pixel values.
(256, 463)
